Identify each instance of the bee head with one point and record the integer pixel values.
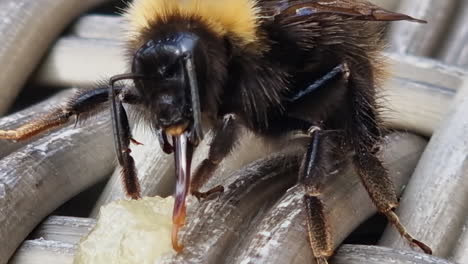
(177, 72)
(171, 87)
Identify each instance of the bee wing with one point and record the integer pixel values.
(359, 10)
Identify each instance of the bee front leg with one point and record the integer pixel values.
(227, 134)
(123, 138)
(316, 165)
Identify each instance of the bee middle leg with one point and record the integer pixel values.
(83, 103)
(316, 165)
(86, 103)
(227, 134)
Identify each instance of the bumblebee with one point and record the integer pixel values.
(274, 67)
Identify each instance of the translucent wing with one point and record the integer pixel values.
(359, 10)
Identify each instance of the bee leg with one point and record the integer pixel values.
(381, 190)
(32, 128)
(164, 142)
(83, 104)
(227, 134)
(365, 138)
(123, 138)
(313, 171)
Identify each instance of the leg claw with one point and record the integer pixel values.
(204, 195)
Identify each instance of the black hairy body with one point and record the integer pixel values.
(272, 66)
(259, 86)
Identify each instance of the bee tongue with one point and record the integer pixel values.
(183, 157)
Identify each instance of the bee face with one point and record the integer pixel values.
(166, 86)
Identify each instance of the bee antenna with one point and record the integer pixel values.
(194, 92)
(126, 76)
(115, 115)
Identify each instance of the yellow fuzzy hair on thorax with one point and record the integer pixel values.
(237, 17)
